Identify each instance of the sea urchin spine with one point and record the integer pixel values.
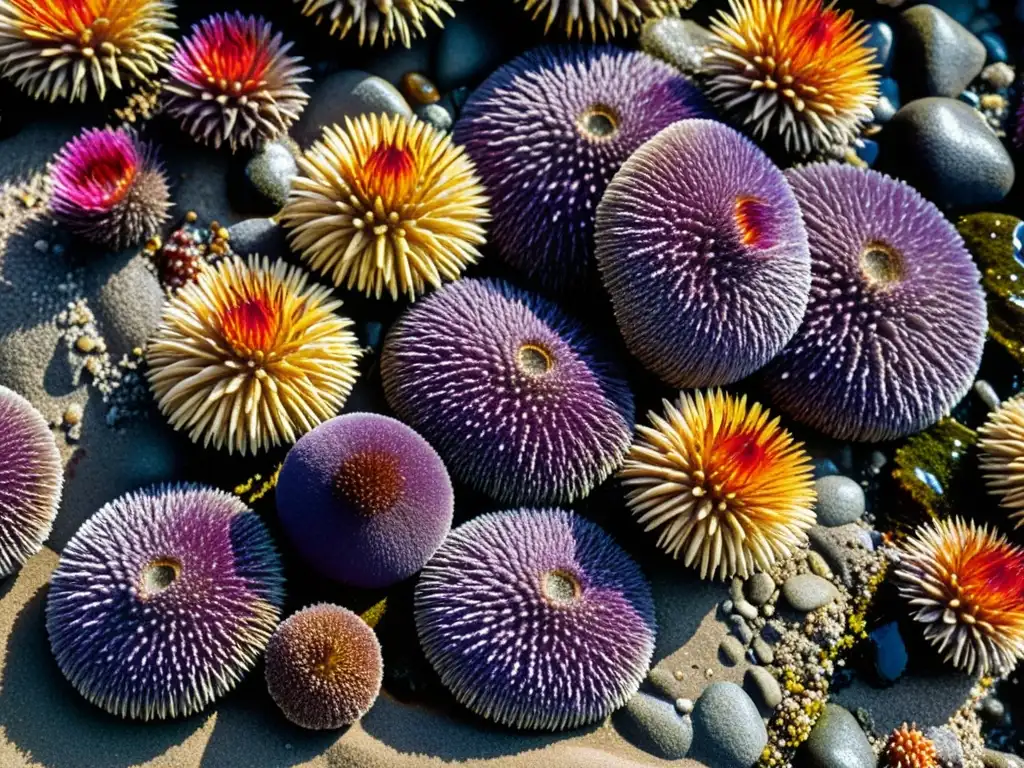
(599, 19)
(389, 20)
(1002, 456)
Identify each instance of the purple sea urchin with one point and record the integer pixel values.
(324, 667)
(599, 19)
(109, 188)
(536, 619)
(515, 395)
(163, 600)
(896, 320)
(547, 133)
(232, 82)
(701, 246)
(365, 499)
(391, 20)
(31, 480)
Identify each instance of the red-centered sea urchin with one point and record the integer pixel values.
(324, 667)
(908, 747)
(232, 82)
(31, 480)
(389, 20)
(966, 586)
(599, 19)
(723, 486)
(251, 355)
(387, 204)
(799, 69)
(56, 49)
(1002, 456)
(109, 187)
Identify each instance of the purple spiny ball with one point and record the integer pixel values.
(536, 619)
(547, 133)
(365, 499)
(515, 395)
(896, 321)
(163, 600)
(31, 480)
(702, 249)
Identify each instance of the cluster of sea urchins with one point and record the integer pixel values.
(386, 20)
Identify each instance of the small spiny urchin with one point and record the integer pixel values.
(896, 321)
(163, 600)
(365, 499)
(536, 619)
(1002, 456)
(324, 667)
(599, 19)
(800, 69)
(966, 586)
(391, 20)
(31, 480)
(232, 82)
(548, 131)
(109, 187)
(251, 355)
(517, 397)
(908, 747)
(723, 486)
(64, 49)
(388, 203)
(702, 248)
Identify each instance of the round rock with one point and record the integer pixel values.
(807, 592)
(938, 55)
(840, 500)
(728, 731)
(655, 726)
(348, 94)
(269, 175)
(731, 651)
(759, 588)
(837, 741)
(259, 236)
(437, 115)
(763, 688)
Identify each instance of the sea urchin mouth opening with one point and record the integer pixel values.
(159, 575)
(560, 588)
(251, 325)
(534, 359)
(372, 481)
(599, 123)
(390, 173)
(754, 220)
(882, 266)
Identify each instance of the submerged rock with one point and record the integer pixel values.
(269, 175)
(347, 94)
(889, 653)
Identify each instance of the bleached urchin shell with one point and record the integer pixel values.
(703, 251)
(896, 321)
(31, 480)
(536, 619)
(163, 600)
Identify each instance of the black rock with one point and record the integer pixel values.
(347, 94)
(881, 40)
(259, 236)
(938, 56)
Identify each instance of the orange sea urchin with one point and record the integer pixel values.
(1002, 456)
(387, 203)
(600, 19)
(908, 747)
(800, 68)
(251, 356)
(389, 19)
(54, 49)
(724, 487)
(967, 586)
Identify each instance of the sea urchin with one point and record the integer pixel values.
(548, 131)
(400, 20)
(163, 600)
(896, 320)
(702, 249)
(31, 480)
(388, 203)
(251, 356)
(722, 485)
(56, 49)
(600, 19)
(1002, 456)
(233, 82)
(800, 69)
(324, 667)
(966, 586)
(365, 499)
(908, 747)
(517, 398)
(536, 619)
(109, 187)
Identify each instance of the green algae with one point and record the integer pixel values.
(932, 467)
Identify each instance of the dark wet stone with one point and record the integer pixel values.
(728, 731)
(837, 741)
(655, 726)
(347, 94)
(466, 51)
(882, 40)
(889, 653)
(759, 588)
(680, 42)
(995, 46)
(731, 651)
(269, 175)
(992, 709)
(947, 746)
(739, 627)
(840, 501)
(938, 55)
(763, 688)
(888, 100)
(808, 592)
(825, 467)
(867, 151)
(261, 236)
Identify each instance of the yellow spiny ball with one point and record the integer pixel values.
(388, 20)
(601, 20)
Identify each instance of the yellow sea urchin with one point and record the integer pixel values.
(387, 203)
(250, 356)
(800, 68)
(390, 19)
(1002, 456)
(601, 19)
(55, 48)
(908, 747)
(725, 487)
(966, 585)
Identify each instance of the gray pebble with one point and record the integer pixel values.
(759, 588)
(992, 709)
(655, 726)
(763, 689)
(731, 651)
(680, 42)
(988, 395)
(736, 589)
(436, 115)
(347, 94)
(728, 731)
(763, 652)
(992, 759)
(741, 629)
(947, 746)
(837, 741)
(808, 592)
(746, 610)
(663, 682)
(839, 546)
(938, 55)
(818, 565)
(768, 610)
(260, 236)
(727, 607)
(269, 174)
(840, 500)
(684, 706)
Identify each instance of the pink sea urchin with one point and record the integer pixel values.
(233, 82)
(109, 187)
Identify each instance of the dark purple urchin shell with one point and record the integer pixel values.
(163, 600)
(516, 396)
(547, 133)
(702, 249)
(536, 619)
(31, 480)
(324, 667)
(365, 499)
(896, 321)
